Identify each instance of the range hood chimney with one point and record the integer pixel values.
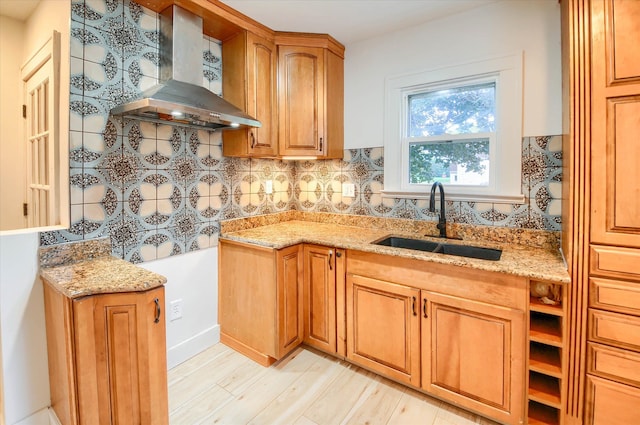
(180, 99)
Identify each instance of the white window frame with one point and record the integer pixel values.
(505, 146)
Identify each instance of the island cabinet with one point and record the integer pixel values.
(249, 64)
(260, 299)
(310, 95)
(324, 292)
(457, 333)
(107, 357)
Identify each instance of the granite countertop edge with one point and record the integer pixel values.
(518, 260)
(101, 275)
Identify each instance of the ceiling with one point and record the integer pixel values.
(17, 9)
(349, 21)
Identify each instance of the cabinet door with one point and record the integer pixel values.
(289, 299)
(615, 124)
(611, 403)
(121, 358)
(383, 328)
(301, 100)
(261, 95)
(473, 355)
(320, 297)
(249, 66)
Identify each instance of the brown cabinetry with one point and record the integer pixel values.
(324, 292)
(383, 328)
(469, 352)
(260, 299)
(107, 357)
(602, 218)
(249, 64)
(457, 333)
(547, 351)
(310, 95)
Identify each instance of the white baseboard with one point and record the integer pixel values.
(192, 346)
(44, 416)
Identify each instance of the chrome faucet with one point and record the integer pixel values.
(442, 221)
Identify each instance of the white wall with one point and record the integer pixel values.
(532, 26)
(12, 154)
(192, 278)
(24, 345)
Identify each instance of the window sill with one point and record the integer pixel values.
(495, 199)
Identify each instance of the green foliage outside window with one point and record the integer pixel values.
(438, 114)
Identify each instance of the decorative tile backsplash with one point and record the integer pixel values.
(158, 190)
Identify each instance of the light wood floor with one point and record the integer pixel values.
(220, 386)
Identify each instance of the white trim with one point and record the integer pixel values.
(192, 346)
(505, 181)
(497, 199)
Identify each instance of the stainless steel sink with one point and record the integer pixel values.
(469, 251)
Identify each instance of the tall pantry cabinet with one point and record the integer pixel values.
(602, 214)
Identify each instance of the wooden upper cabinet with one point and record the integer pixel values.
(249, 66)
(310, 96)
(615, 122)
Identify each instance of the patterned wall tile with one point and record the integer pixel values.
(159, 190)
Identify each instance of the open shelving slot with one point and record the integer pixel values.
(545, 359)
(546, 329)
(546, 373)
(541, 414)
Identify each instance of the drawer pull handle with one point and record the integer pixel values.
(424, 309)
(253, 139)
(330, 258)
(413, 306)
(158, 310)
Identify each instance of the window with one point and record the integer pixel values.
(458, 125)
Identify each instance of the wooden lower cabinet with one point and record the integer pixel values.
(324, 274)
(611, 403)
(473, 355)
(107, 357)
(383, 328)
(260, 299)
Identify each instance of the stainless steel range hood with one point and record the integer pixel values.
(180, 98)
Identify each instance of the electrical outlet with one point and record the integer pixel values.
(176, 310)
(268, 186)
(349, 190)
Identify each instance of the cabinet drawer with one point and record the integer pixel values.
(610, 403)
(610, 261)
(613, 363)
(615, 295)
(620, 330)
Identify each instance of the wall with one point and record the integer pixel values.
(12, 155)
(25, 371)
(159, 192)
(532, 26)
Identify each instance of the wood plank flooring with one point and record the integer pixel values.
(220, 386)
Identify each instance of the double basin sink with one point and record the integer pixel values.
(441, 248)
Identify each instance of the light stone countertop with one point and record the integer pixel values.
(519, 260)
(87, 268)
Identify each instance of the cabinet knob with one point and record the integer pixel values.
(338, 254)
